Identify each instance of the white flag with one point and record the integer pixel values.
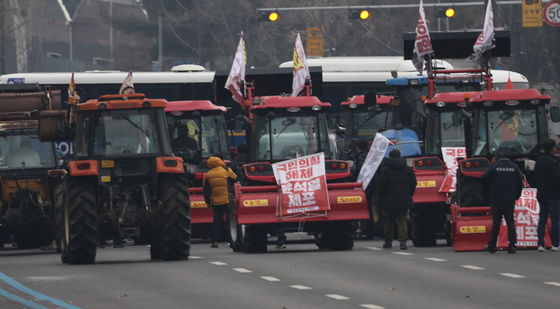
(373, 159)
(301, 70)
(236, 76)
(422, 43)
(127, 86)
(485, 40)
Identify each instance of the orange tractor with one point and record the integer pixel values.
(283, 128)
(123, 179)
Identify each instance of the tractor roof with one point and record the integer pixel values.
(489, 95)
(118, 101)
(286, 102)
(359, 100)
(191, 106)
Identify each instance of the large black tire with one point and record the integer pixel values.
(175, 214)
(79, 241)
(336, 236)
(236, 232)
(255, 239)
(423, 227)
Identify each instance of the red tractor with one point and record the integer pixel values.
(509, 118)
(198, 131)
(284, 128)
(123, 179)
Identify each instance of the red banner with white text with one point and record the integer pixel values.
(303, 185)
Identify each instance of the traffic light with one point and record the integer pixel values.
(361, 14)
(448, 12)
(270, 16)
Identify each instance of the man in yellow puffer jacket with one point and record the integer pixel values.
(218, 193)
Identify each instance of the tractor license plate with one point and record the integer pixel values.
(472, 229)
(255, 203)
(348, 199)
(199, 204)
(426, 184)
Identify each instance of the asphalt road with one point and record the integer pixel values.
(299, 276)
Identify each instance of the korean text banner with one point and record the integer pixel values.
(303, 185)
(450, 156)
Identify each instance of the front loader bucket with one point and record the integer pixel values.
(259, 204)
(471, 227)
(200, 213)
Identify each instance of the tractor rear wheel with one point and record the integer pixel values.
(236, 232)
(175, 231)
(255, 239)
(423, 232)
(58, 215)
(79, 241)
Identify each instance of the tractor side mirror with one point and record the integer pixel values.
(52, 126)
(554, 114)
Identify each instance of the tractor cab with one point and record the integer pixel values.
(289, 127)
(365, 115)
(198, 131)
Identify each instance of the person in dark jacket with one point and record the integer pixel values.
(218, 194)
(547, 177)
(395, 186)
(504, 183)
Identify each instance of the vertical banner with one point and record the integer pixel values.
(450, 155)
(531, 13)
(526, 217)
(373, 159)
(315, 45)
(303, 184)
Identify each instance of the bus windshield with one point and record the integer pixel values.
(22, 150)
(288, 137)
(515, 129)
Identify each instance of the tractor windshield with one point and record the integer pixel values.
(286, 137)
(366, 124)
(197, 138)
(446, 128)
(515, 129)
(22, 149)
(118, 133)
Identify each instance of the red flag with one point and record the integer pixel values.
(422, 43)
(509, 84)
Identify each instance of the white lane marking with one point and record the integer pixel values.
(510, 275)
(48, 278)
(300, 287)
(402, 253)
(218, 263)
(373, 248)
(337, 297)
(270, 279)
(371, 306)
(436, 259)
(242, 270)
(194, 257)
(552, 283)
(473, 267)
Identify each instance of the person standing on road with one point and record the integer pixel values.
(547, 177)
(218, 194)
(394, 189)
(504, 183)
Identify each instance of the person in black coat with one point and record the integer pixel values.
(395, 186)
(504, 183)
(547, 177)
